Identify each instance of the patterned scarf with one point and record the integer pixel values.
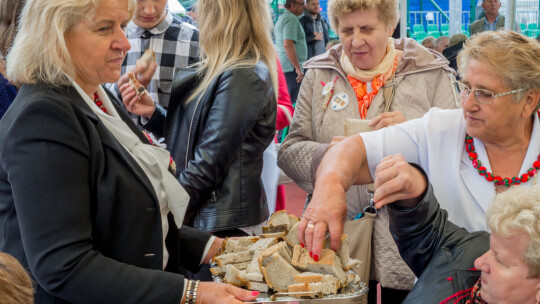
(376, 77)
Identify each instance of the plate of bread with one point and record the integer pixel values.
(275, 264)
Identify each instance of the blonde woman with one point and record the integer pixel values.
(217, 133)
(87, 204)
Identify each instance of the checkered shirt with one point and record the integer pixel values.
(175, 43)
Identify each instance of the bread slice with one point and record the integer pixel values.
(280, 248)
(255, 277)
(329, 263)
(292, 236)
(353, 265)
(293, 219)
(278, 272)
(275, 229)
(234, 276)
(139, 88)
(146, 59)
(262, 287)
(233, 258)
(218, 270)
(274, 234)
(327, 288)
(343, 251)
(263, 243)
(279, 218)
(299, 257)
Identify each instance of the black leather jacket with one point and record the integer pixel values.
(218, 142)
(439, 253)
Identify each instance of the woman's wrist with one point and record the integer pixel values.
(191, 291)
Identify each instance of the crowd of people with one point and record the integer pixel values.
(120, 178)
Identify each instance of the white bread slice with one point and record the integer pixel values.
(218, 270)
(234, 276)
(313, 277)
(299, 257)
(353, 264)
(292, 236)
(274, 234)
(329, 263)
(233, 258)
(280, 248)
(263, 243)
(262, 287)
(255, 277)
(293, 219)
(254, 264)
(279, 218)
(343, 251)
(327, 288)
(278, 272)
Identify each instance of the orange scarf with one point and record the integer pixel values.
(360, 88)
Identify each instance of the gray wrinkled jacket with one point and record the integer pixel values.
(422, 80)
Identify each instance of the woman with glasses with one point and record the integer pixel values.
(375, 78)
(469, 154)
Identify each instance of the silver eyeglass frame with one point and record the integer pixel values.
(459, 83)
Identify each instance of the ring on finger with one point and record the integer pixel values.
(310, 225)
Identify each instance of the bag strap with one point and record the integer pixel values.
(388, 92)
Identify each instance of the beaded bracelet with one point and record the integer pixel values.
(191, 296)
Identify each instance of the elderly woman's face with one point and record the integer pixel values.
(504, 273)
(98, 46)
(363, 37)
(496, 121)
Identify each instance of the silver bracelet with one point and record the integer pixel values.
(191, 295)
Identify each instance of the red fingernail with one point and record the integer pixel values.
(302, 244)
(311, 255)
(254, 293)
(316, 258)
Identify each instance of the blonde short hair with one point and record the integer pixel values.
(512, 56)
(15, 284)
(234, 34)
(39, 53)
(518, 210)
(387, 10)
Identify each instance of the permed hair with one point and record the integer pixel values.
(39, 53)
(512, 56)
(518, 210)
(15, 284)
(387, 9)
(234, 34)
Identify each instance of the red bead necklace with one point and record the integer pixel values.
(99, 103)
(473, 156)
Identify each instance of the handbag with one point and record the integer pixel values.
(360, 229)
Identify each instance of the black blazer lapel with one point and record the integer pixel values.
(109, 140)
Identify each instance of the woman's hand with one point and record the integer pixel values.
(212, 292)
(143, 77)
(396, 179)
(214, 249)
(139, 105)
(386, 119)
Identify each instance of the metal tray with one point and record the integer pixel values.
(350, 294)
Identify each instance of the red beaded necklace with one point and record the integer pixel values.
(473, 156)
(99, 103)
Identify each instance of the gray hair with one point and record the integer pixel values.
(39, 53)
(518, 210)
(387, 10)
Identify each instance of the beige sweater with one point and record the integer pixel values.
(423, 80)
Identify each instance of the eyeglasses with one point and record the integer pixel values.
(482, 95)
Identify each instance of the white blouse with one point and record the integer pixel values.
(436, 143)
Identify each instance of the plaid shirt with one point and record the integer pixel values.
(175, 43)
